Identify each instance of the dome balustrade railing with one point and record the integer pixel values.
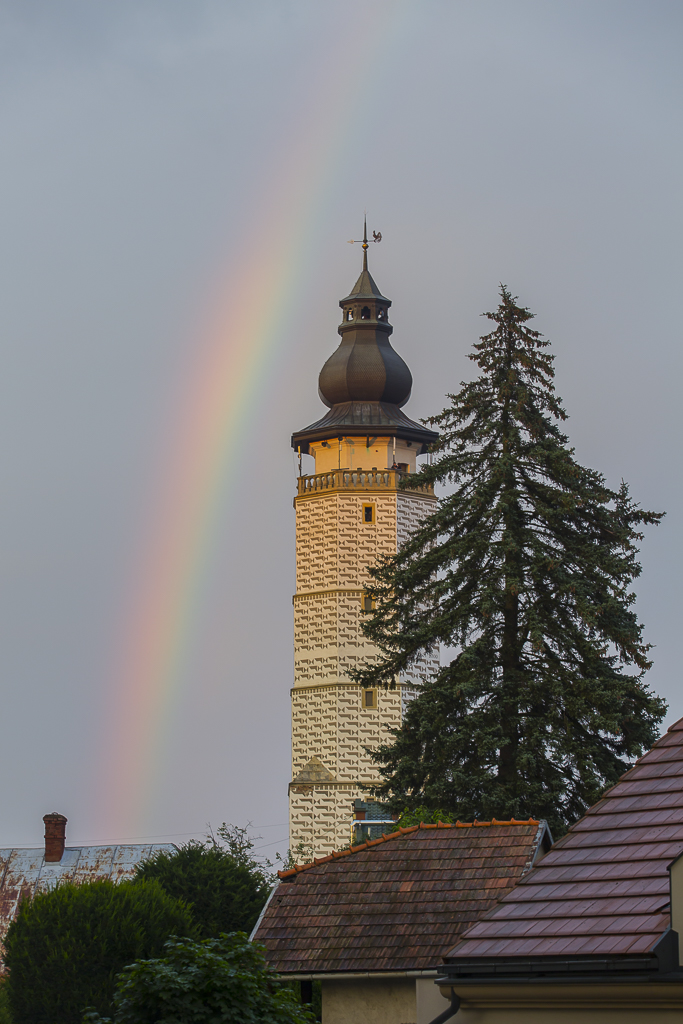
(357, 480)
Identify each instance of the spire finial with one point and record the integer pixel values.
(376, 237)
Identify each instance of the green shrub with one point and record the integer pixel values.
(226, 888)
(222, 980)
(66, 946)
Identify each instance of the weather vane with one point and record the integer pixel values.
(376, 236)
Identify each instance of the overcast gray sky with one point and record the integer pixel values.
(147, 146)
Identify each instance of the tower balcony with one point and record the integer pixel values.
(358, 481)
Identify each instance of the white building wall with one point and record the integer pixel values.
(334, 547)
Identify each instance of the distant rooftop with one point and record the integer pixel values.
(23, 872)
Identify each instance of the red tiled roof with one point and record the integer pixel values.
(603, 889)
(394, 903)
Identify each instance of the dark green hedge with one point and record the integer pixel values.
(5, 1015)
(66, 946)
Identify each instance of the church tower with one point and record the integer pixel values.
(348, 513)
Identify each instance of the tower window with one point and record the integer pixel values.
(367, 603)
(365, 313)
(349, 314)
(369, 699)
(381, 314)
(368, 513)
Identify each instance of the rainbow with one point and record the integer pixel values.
(236, 346)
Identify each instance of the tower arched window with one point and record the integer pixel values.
(349, 314)
(365, 313)
(381, 314)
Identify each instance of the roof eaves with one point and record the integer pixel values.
(548, 968)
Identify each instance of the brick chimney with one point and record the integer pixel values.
(55, 836)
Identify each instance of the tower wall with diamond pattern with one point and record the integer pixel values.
(336, 540)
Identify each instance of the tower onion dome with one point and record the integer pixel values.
(365, 382)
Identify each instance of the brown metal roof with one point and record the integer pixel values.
(395, 903)
(365, 382)
(25, 872)
(604, 887)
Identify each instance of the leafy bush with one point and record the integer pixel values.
(66, 946)
(222, 980)
(224, 885)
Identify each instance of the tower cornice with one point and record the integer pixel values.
(360, 419)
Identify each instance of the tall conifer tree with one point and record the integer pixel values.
(524, 573)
